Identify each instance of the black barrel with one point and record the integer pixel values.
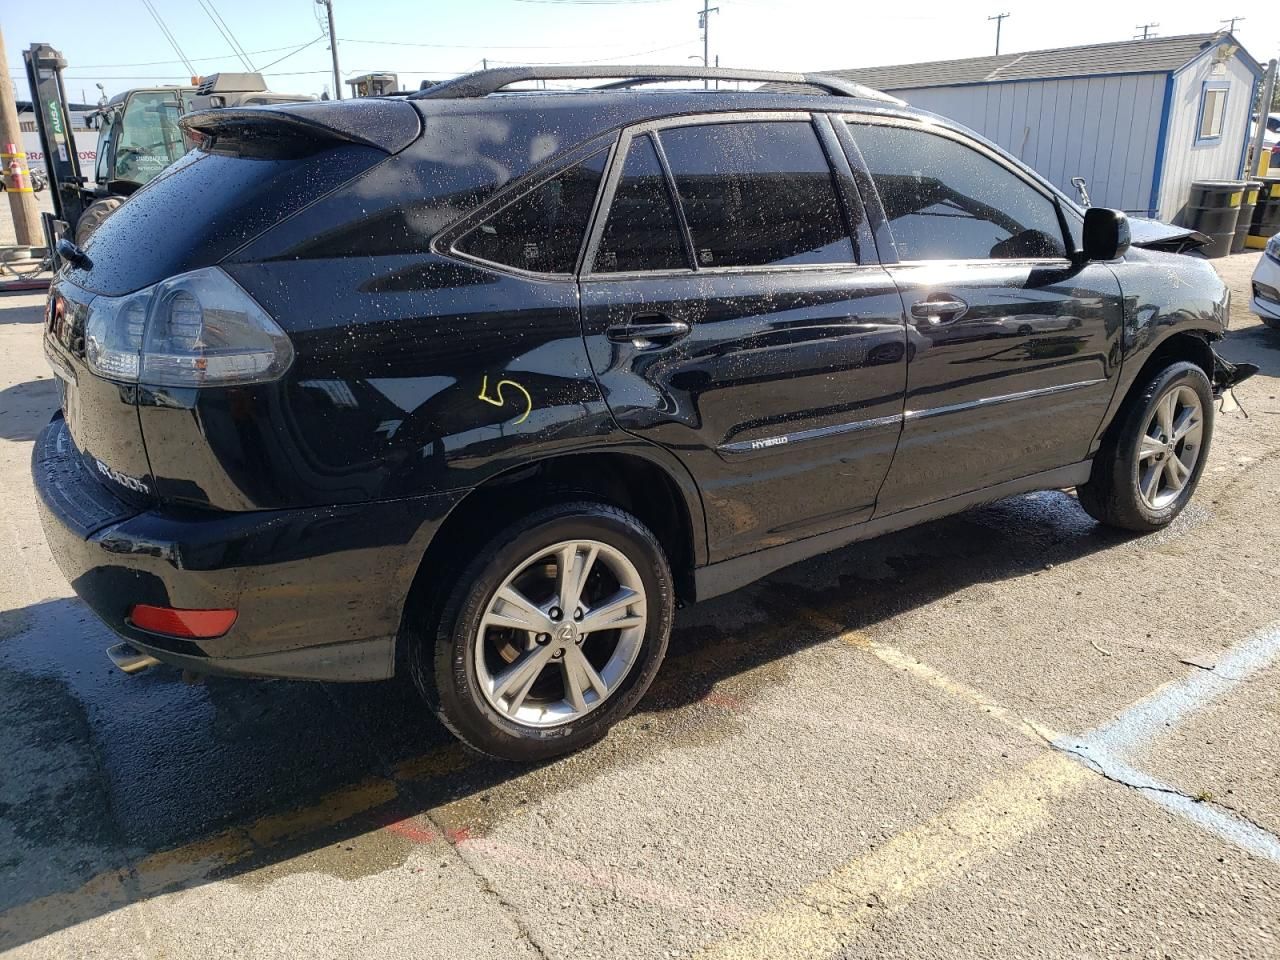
(1265, 222)
(1251, 193)
(1214, 209)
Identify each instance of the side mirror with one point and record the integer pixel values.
(1106, 234)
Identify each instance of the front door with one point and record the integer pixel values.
(728, 318)
(1013, 347)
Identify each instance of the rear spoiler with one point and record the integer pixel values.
(387, 125)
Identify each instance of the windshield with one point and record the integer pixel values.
(149, 138)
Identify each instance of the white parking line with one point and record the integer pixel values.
(1108, 749)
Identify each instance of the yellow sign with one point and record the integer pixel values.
(1236, 198)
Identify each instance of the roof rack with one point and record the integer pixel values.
(484, 82)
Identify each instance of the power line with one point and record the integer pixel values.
(173, 41)
(226, 34)
(290, 54)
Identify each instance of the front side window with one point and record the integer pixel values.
(149, 137)
(642, 232)
(1213, 108)
(757, 193)
(946, 201)
(541, 231)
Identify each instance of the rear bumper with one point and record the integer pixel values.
(319, 591)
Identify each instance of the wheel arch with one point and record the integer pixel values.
(1179, 345)
(638, 479)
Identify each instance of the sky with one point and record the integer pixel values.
(118, 43)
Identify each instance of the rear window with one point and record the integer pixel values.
(205, 206)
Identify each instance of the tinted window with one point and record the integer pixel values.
(757, 193)
(642, 232)
(542, 230)
(945, 201)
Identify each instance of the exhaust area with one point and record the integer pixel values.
(130, 659)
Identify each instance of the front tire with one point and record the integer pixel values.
(551, 635)
(1150, 462)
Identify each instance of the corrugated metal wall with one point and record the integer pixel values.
(1185, 160)
(1104, 129)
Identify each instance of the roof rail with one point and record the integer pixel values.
(484, 82)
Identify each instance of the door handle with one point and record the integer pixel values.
(643, 332)
(939, 311)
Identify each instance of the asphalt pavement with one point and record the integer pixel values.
(1011, 733)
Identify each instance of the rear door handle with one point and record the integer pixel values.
(644, 332)
(939, 311)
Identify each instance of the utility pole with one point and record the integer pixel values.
(1146, 30)
(22, 203)
(1231, 23)
(704, 23)
(999, 19)
(1264, 108)
(333, 48)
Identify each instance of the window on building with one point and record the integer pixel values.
(541, 231)
(946, 201)
(757, 193)
(1213, 110)
(642, 232)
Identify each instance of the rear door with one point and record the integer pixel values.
(735, 314)
(1013, 346)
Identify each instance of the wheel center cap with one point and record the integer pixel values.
(567, 633)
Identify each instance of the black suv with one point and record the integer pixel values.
(480, 384)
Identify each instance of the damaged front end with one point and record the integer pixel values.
(1165, 237)
(1227, 374)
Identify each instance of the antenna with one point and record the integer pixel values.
(999, 19)
(1146, 31)
(1231, 23)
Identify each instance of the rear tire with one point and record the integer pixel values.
(94, 216)
(531, 694)
(1150, 461)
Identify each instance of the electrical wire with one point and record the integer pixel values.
(234, 40)
(173, 41)
(225, 35)
(291, 53)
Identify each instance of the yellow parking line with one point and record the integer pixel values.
(895, 658)
(826, 915)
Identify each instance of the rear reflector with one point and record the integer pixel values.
(192, 624)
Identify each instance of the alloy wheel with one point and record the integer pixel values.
(1170, 447)
(561, 633)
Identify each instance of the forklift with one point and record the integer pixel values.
(138, 137)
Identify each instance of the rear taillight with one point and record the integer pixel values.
(190, 624)
(198, 329)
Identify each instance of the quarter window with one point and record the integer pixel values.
(541, 231)
(946, 201)
(642, 232)
(757, 193)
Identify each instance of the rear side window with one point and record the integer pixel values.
(642, 232)
(946, 201)
(757, 193)
(541, 231)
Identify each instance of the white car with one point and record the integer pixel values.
(1266, 284)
